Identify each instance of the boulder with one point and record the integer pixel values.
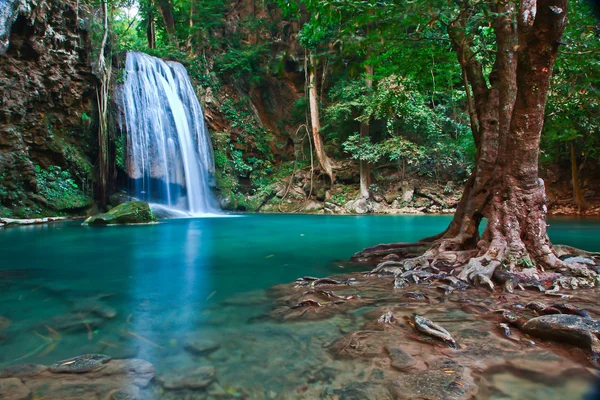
(312, 206)
(408, 191)
(133, 212)
(390, 197)
(194, 379)
(359, 206)
(582, 332)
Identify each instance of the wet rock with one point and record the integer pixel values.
(133, 212)
(94, 306)
(444, 380)
(194, 379)
(324, 375)
(130, 393)
(13, 389)
(71, 323)
(77, 365)
(582, 332)
(119, 198)
(400, 359)
(115, 377)
(363, 391)
(22, 370)
(134, 372)
(579, 260)
(201, 347)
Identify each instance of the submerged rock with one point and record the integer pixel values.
(363, 391)
(133, 212)
(194, 379)
(13, 389)
(22, 370)
(401, 360)
(70, 323)
(201, 347)
(114, 380)
(130, 393)
(444, 380)
(77, 365)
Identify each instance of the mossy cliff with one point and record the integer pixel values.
(47, 94)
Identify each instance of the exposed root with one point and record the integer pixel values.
(492, 261)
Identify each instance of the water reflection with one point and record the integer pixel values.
(175, 288)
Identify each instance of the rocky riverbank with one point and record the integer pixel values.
(352, 336)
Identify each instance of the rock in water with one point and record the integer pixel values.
(13, 389)
(77, 365)
(194, 379)
(400, 359)
(582, 332)
(133, 212)
(22, 370)
(201, 347)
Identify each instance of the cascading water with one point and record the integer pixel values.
(170, 156)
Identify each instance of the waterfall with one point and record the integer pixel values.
(169, 154)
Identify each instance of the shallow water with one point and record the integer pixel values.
(145, 291)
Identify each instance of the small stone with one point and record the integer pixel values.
(400, 359)
(81, 364)
(195, 379)
(201, 347)
(13, 389)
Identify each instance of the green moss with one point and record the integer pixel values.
(59, 189)
(132, 212)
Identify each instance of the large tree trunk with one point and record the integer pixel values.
(582, 205)
(151, 29)
(166, 10)
(365, 168)
(324, 161)
(505, 187)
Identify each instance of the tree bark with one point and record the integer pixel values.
(365, 168)
(582, 205)
(189, 44)
(151, 29)
(322, 157)
(166, 10)
(504, 187)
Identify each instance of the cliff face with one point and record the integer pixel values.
(47, 95)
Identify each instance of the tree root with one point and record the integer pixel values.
(489, 263)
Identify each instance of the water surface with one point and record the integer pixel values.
(191, 278)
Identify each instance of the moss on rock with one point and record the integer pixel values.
(133, 212)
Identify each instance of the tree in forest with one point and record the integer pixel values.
(312, 37)
(507, 116)
(571, 134)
